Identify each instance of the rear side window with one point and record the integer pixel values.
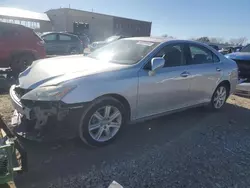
(65, 38)
(200, 55)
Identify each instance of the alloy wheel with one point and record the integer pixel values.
(220, 97)
(105, 123)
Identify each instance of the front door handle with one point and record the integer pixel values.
(218, 69)
(185, 74)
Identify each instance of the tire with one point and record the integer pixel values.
(73, 51)
(21, 62)
(219, 97)
(103, 131)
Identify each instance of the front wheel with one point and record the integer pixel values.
(102, 122)
(219, 97)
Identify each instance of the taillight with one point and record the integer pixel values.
(40, 43)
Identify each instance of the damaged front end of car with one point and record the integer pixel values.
(40, 114)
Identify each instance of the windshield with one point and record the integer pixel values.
(110, 39)
(246, 48)
(124, 51)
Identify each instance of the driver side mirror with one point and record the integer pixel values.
(157, 63)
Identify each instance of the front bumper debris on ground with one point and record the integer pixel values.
(13, 157)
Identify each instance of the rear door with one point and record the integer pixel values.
(51, 44)
(206, 70)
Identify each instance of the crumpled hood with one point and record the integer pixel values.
(239, 55)
(59, 69)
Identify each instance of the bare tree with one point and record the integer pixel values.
(203, 39)
(242, 40)
(238, 41)
(167, 36)
(217, 40)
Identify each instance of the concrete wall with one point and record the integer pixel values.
(131, 28)
(100, 26)
(58, 19)
(44, 27)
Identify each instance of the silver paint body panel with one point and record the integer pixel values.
(148, 95)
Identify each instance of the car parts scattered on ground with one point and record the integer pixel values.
(13, 158)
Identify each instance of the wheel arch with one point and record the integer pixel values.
(227, 84)
(121, 99)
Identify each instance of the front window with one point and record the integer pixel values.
(50, 37)
(246, 48)
(173, 55)
(124, 51)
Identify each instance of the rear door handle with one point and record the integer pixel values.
(185, 74)
(218, 69)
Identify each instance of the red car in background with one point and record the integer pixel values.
(19, 46)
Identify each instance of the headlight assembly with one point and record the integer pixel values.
(49, 93)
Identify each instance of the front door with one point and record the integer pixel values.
(51, 44)
(206, 70)
(168, 88)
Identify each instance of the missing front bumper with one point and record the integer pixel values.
(51, 131)
(44, 120)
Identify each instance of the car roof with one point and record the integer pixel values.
(164, 39)
(65, 33)
(150, 39)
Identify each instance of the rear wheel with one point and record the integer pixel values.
(102, 122)
(219, 97)
(73, 51)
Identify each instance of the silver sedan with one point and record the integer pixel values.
(128, 80)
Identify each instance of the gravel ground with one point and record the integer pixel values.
(195, 148)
